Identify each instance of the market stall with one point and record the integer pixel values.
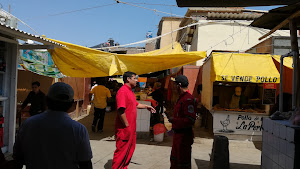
(143, 115)
(239, 90)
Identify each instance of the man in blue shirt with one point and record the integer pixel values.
(52, 140)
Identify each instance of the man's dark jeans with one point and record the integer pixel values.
(99, 115)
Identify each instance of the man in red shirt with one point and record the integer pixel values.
(126, 121)
(183, 119)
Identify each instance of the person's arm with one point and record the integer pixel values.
(123, 118)
(189, 116)
(85, 164)
(121, 106)
(26, 101)
(84, 153)
(144, 106)
(92, 92)
(90, 97)
(108, 95)
(44, 103)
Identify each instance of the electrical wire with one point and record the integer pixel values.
(190, 25)
(154, 10)
(153, 4)
(73, 11)
(151, 39)
(230, 36)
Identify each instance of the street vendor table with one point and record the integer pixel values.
(238, 125)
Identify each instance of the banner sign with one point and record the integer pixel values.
(252, 79)
(39, 62)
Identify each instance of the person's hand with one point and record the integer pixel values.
(151, 109)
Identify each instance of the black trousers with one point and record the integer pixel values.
(99, 116)
(155, 117)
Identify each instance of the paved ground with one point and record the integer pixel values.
(152, 155)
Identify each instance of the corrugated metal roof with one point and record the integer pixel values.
(209, 9)
(232, 3)
(276, 16)
(224, 13)
(221, 14)
(227, 15)
(19, 34)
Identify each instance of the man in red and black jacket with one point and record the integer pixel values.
(183, 119)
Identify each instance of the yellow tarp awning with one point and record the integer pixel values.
(237, 67)
(287, 61)
(78, 61)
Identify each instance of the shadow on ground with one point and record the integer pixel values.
(258, 145)
(108, 164)
(205, 164)
(109, 130)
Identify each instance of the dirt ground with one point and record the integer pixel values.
(154, 155)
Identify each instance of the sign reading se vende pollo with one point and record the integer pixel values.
(252, 79)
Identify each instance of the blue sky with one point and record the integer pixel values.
(123, 23)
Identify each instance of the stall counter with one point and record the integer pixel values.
(143, 121)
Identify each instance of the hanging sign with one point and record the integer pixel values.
(269, 94)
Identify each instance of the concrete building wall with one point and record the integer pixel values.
(150, 46)
(135, 51)
(229, 36)
(192, 72)
(194, 44)
(169, 24)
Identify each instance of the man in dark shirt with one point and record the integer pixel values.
(37, 99)
(52, 140)
(158, 96)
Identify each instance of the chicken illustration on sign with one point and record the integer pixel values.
(225, 123)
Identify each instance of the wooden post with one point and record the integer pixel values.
(77, 109)
(296, 71)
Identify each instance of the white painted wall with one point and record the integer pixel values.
(228, 36)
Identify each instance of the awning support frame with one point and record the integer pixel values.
(282, 24)
(281, 81)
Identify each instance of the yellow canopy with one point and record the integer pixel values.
(78, 61)
(287, 61)
(237, 67)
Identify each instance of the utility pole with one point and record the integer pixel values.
(296, 71)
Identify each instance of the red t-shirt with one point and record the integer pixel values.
(126, 99)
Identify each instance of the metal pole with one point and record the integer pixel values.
(281, 81)
(294, 98)
(295, 49)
